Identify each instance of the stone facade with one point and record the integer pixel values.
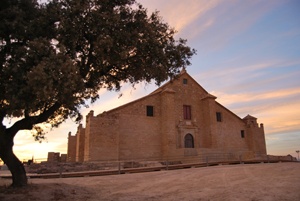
(177, 121)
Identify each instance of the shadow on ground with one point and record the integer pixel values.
(47, 192)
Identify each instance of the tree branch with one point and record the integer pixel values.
(28, 122)
(2, 115)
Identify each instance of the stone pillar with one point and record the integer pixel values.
(209, 117)
(88, 125)
(167, 122)
(255, 136)
(80, 143)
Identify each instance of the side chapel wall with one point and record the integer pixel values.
(102, 139)
(228, 131)
(139, 133)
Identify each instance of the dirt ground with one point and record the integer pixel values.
(280, 181)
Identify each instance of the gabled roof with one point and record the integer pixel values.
(249, 117)
(177, 77)
(163, 88)
(126, 104)
(168, 88)
(209, 96)
(229, 110)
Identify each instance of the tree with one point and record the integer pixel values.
(56, 56)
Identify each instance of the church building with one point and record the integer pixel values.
(179, 120)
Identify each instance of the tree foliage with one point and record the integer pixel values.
(57, 55)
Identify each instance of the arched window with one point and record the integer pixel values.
(188, 141)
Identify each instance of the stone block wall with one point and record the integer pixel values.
(228, 130)
(127, 133)
(103, 139)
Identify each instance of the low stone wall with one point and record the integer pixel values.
(281, 158)
(55, 167)
(47, 167)
(51, 167)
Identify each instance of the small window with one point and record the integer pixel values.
(150, 111)
(184, 81)
(187, 112)
(242, 134)
(219, 116)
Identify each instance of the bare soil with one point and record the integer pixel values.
(271, 182)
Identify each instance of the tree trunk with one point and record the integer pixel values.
(15, 166)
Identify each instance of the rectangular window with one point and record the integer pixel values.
(219, 116)
(242, 134)
(187, 112)
(150, 111)
(184, 81)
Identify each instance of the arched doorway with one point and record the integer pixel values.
(188, 141)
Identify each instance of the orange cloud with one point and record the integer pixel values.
(180, 13)
(277, 116)
(228, 99)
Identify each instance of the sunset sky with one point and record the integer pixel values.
(248, 55)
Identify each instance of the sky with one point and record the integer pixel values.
(248, 56)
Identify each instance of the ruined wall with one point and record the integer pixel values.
(53, 157)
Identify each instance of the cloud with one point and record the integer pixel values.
(229, 99)
(179, 14)
(283, 143)
(111, 99)
(237, 66)
(230, 20)
(238, 75)
(231, 70)
(282, 118)
(56, 140)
